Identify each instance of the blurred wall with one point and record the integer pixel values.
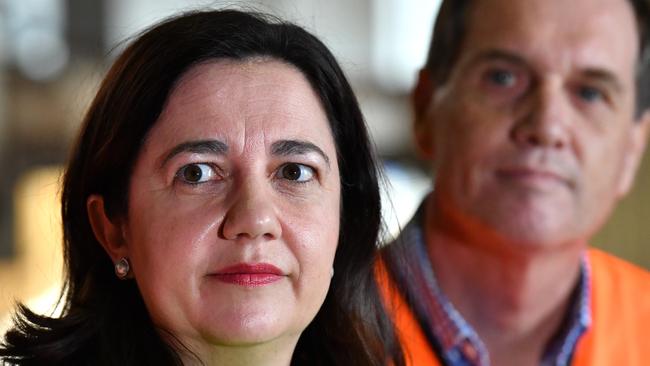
(627, 233)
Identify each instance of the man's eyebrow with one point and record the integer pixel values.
(498, 55)
(297, 147)
(594, 73)
(603, 76)
(214, 147)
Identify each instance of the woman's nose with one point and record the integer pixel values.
(251, 215)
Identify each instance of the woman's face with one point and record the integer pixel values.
(233, 216)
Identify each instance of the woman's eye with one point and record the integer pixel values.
(296, 172)
(196, 173)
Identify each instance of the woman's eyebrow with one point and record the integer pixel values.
(214, 147)
(297, 147)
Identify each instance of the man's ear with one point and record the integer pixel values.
(634, 154)
(108, 232)
(422, 125)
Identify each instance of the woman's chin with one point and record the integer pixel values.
(248, 329)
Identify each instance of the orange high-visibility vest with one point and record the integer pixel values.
(620, 307)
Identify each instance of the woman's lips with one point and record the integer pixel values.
(244, 274)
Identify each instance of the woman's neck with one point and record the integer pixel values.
(277, 352)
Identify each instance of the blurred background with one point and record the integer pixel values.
(53, 53)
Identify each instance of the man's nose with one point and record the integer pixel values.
(251, 215)
(546, 121)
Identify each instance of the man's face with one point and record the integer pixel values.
(533, 137)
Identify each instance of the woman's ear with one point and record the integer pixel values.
(108, 232)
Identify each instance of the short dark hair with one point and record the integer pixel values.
(451, 24)
(105, 317)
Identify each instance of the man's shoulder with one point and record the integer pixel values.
(620, 295)
(618, 269)
(620, 281)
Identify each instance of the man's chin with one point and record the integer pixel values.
(536, 230)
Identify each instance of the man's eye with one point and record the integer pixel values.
(590, 94)
(501, 78)
(196, 173)
(296, 172)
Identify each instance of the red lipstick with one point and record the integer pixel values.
(244, 274)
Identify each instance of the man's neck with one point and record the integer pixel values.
(514, 298)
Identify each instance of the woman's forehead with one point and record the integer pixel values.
(257, 101)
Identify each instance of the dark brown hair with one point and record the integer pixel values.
(104, 321)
